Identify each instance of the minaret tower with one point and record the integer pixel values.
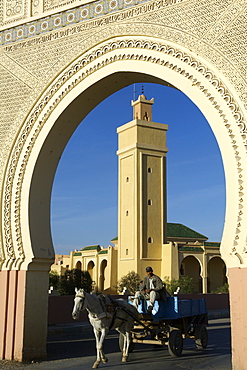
(142, 190)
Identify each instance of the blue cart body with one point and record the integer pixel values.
(174, 308)
(170, 322)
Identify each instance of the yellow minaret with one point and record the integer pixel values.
(142, 190)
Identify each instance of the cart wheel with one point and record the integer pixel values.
(175, 343)
(201, 337)
(121, 343)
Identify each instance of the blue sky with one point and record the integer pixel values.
(84, 196)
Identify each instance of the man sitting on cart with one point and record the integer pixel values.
(151, 289)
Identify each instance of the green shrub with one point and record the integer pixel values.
(74, 279)
(185, 283)
(53, 279)
(131, 281)
(222, 289)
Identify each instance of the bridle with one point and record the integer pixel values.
(79, 295)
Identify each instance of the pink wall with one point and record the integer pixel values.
(12, 291)
(238, 300)
(60, 307)
(22, 314)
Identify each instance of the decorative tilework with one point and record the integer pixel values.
(68, 17)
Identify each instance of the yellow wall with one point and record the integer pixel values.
(127, 206)
(142, 178)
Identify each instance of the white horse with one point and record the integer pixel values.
(106, 314)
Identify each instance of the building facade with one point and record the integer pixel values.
(186, 253)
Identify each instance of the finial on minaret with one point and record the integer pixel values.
(134, 92)
(142, 108)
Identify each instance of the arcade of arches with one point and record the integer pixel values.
(186, 254)
(58, 60)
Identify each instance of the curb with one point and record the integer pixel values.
(218, 314)
(67, 329)
(85, 326)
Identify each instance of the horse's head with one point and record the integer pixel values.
(78, 303)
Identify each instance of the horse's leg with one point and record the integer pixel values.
(101, 342)
(97, 338)
(125, 344)
(126, 330)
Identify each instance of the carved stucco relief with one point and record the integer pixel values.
(182, 23)
(54, 4)
(13, 10)
(203, 28)
(36, 7)
(46, 59)
(133, 51)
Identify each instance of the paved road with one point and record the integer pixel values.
(78, 352)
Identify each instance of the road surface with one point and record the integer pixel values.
(78, 352)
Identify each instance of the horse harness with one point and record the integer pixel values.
(113, 307)
(110, 310)
(117, 307)
(82, 297)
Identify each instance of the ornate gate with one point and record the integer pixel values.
(58, 60)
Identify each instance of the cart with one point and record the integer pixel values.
(169, 323)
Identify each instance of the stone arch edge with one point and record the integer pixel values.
(101, 57)
(196, 258)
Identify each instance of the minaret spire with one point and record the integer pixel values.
(142, 108)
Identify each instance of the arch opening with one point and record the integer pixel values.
(103, 266)
(82, 98)
(216, 274)
(78, 265)
(181, 181)
(90, 269)
(190, 266)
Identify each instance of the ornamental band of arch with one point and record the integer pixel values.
(55, 56)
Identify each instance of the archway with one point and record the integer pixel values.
(102, 275)
(78, 265)
(191, 267)
(90, 269)
(106, 85)
(216, 273)
(105, 69)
